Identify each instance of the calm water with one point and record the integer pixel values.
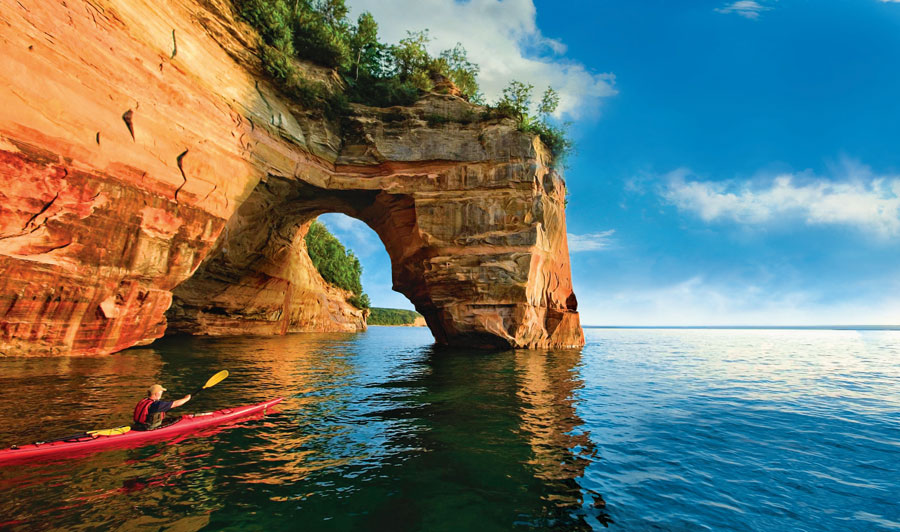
(641, 430)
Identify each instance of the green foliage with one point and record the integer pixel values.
(392, 316)
(313, 29)
(549, 102)
(436, 119)
(277, 63)
(286, 27)
(516, 100)
(312, 94)
(381, 92)
(336, 264)
(455, 65)
(375, 74)
(516, 103)
(321, 31)
(360, 301)
(366, 53)
(369, 79)
(272, 19)
(556, 138)
(378, 74)
(410, 60)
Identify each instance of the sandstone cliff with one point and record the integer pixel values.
(143, 157)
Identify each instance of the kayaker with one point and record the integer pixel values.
(150, 411)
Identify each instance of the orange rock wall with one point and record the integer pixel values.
(139, 151)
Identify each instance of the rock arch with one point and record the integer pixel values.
(205, 190)
(453, 255)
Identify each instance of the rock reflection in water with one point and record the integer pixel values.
(380, 430)
(561, 447)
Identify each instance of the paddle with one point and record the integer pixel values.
(92, 433)
(109, 432)
(215, 379)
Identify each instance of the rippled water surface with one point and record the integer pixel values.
(641, 430)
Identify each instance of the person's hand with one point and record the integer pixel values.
(187, 397)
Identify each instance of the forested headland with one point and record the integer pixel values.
(392, 316)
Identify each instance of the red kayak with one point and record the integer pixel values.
(77, 444)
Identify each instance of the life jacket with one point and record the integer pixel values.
(142, 420)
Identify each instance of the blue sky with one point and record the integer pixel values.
(737, 163)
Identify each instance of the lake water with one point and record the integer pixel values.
(775, 430)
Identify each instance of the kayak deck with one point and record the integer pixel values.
(185, 423)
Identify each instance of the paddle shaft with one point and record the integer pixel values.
(215, 379)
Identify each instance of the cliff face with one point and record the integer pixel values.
(144, 159)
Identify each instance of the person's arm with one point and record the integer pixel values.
(181, 401)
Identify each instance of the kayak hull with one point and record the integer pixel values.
(185, 424)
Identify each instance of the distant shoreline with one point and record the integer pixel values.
(756, 327)
(398, 325)
(394, 317)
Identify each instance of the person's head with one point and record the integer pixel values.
(155, 392)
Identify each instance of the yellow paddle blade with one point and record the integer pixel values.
(109, 432)
(216, 379)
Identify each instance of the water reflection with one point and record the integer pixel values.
(380, 430)
(562, 448)
(698, 430)
(43, 393)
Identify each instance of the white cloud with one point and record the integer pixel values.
(590, 241)
(697, 301)
(870, 203)
(746, 8)
(342, 222)
(353, 233)
(502, 37)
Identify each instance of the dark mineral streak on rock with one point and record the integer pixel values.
(127, 117)
(181, 169)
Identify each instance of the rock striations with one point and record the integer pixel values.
(152, 180)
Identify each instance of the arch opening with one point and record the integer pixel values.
(259, 279)
(377, 276)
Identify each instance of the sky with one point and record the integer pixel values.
(738, 163)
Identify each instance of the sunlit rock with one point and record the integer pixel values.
(144, 157)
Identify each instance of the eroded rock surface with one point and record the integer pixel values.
(143, 157)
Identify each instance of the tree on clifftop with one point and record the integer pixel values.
(516, 102)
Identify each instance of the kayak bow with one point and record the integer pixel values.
(96, 440)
